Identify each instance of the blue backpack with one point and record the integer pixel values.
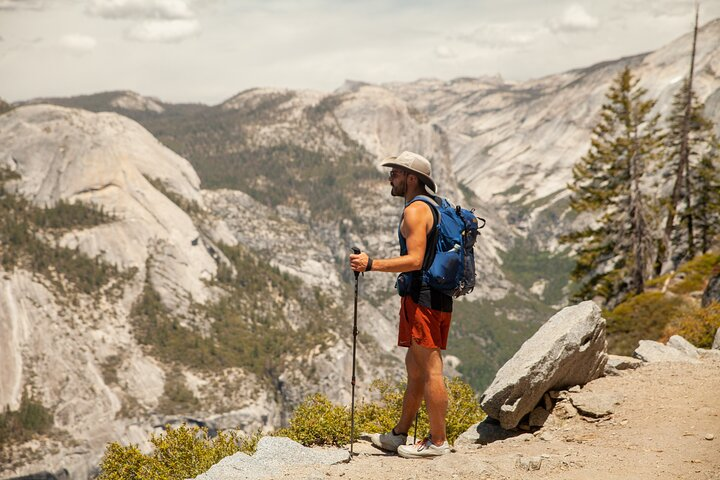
(452, 270)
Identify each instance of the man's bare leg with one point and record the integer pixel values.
(413, 393)
(425, 379)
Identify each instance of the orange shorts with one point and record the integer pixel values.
(429, 328)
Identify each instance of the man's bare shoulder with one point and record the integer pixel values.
(419, 209)
(417, 213)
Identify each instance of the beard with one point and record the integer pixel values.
(399, 189)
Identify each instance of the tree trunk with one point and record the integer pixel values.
(684, 154)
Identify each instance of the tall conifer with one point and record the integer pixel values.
(614, 255)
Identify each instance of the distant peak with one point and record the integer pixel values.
(350, 86)
(130, 100)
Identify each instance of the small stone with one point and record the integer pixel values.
(575, 389)
(529, 463)
(525, 437)
(619, 362)
(596, 404)
(547, 436)
(548, 402)
(709, 436)
(538, 417)
(564, 410)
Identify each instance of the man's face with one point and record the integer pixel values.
(398, 181)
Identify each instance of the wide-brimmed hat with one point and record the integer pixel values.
(416, 164)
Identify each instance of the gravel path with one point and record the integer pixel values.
(666, 427)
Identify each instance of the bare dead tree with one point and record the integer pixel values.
(683, 165)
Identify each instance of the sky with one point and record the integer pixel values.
(209, 50)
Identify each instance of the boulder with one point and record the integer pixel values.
(273, 456)
(712, 291)
(679, 343)
(716, 342)
(569, 349)
(709, 353)
(653, 352)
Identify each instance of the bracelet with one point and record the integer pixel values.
(369, 265)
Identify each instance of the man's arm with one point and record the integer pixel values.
(417, 221)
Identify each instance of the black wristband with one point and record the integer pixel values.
(369, 265)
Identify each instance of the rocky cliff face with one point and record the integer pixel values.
(291, 182)
(81, 353)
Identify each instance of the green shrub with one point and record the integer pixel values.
(641, 317)
(177, 397)
(463, 409)
(177, 454)
(380, 416)
(29, 419)
(317, 421)
(696, 273)
(697, 326)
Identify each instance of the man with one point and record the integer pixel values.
(424, 313)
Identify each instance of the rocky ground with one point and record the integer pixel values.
(667, 426)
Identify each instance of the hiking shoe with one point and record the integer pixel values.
(424, 449)
(388, 441)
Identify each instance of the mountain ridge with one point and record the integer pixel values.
(286, 165)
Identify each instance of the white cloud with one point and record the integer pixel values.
(445, 52)
(504, 36)
(574, 19)
(78, 43)
(163, 30)
(142, 9)
(21, 4)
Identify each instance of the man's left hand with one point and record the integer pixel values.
(358, 263)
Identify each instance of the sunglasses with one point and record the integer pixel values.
(395, 173)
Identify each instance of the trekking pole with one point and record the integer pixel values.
(417, 414)
(356, 251)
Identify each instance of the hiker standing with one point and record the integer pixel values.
(424, 313)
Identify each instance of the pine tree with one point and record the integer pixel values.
(706, 211)
(614, 254)
(692, 160)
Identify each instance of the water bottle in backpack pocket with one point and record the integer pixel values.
(447, 268)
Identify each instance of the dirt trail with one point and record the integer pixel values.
(667, 427)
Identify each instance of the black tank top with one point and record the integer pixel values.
(421, 293)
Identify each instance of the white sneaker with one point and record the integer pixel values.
(424, 449)
(388, 441)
